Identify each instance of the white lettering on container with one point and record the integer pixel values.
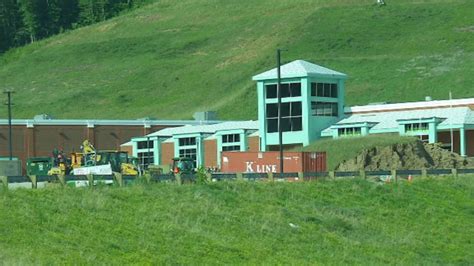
(260, 168)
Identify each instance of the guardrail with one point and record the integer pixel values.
(121, 180)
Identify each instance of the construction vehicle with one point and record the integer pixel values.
(89, 161)
(60, 164)
(183, 165)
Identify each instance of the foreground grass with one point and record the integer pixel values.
(339, 150)
(345, 221)
(202, 55)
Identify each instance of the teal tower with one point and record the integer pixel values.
(312, 100)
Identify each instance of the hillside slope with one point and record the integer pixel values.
(202, 54)
(327, 223)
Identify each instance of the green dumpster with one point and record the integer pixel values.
(39, 165)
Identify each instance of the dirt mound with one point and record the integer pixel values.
(409, 156)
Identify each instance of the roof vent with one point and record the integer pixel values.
(43, 117)
(378, 103)
(147, 118)
(428, 99)
(205, 116)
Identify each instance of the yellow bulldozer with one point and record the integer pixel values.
(90, 161)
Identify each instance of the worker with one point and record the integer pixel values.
(381, 2)
(55, 157)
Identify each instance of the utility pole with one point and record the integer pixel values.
(9, 103)
(280, 128)
(450, 122)
(148, 147)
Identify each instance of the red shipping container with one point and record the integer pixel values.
(266, 162)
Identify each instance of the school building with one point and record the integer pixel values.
(313, 107)
(38, 137)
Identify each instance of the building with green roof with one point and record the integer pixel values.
(312, 100)
(313, 107)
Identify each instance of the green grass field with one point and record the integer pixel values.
(202, 54)
(429, 221)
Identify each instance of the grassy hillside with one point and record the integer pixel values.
(339, 150)
(202, 55)
(334, 222)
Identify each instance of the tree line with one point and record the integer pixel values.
(26, 21)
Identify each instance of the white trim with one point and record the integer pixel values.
(92, 123)
(409, 105)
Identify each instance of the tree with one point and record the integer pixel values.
(11, 25)
(36, 18)
(69, 13)
(30, 20)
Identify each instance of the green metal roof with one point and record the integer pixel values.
(209, 129)
(298, 69)
(389, 121)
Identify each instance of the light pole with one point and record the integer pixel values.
(148, 153)
(280, 129)
(9, 103)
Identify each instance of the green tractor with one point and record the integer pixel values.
(179, 166)
(183, 165)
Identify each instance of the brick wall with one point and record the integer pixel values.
(167, 152)
(253, 143)
(445, 137)
(210, 153)
(128, 149)
(470, 142)
(40, 140)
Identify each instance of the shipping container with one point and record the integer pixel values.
(266, 162)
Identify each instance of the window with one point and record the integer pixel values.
(349, 131)
(416, 127)
(271, 91)
(230, 138)
(145, 159)
(145, 144)
(295, 89)
(231, 142)
(187, 141)
(231, 148)
(324, 90)
(188, 153)
(426, 139)
(185, 150)
(291, 117)
(324, 109)
(287, 90)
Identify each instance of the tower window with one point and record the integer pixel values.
(328, 90)
(287, 90)
(291, 117)
(324, 109)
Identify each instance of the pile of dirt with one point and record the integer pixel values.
(409, 156)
